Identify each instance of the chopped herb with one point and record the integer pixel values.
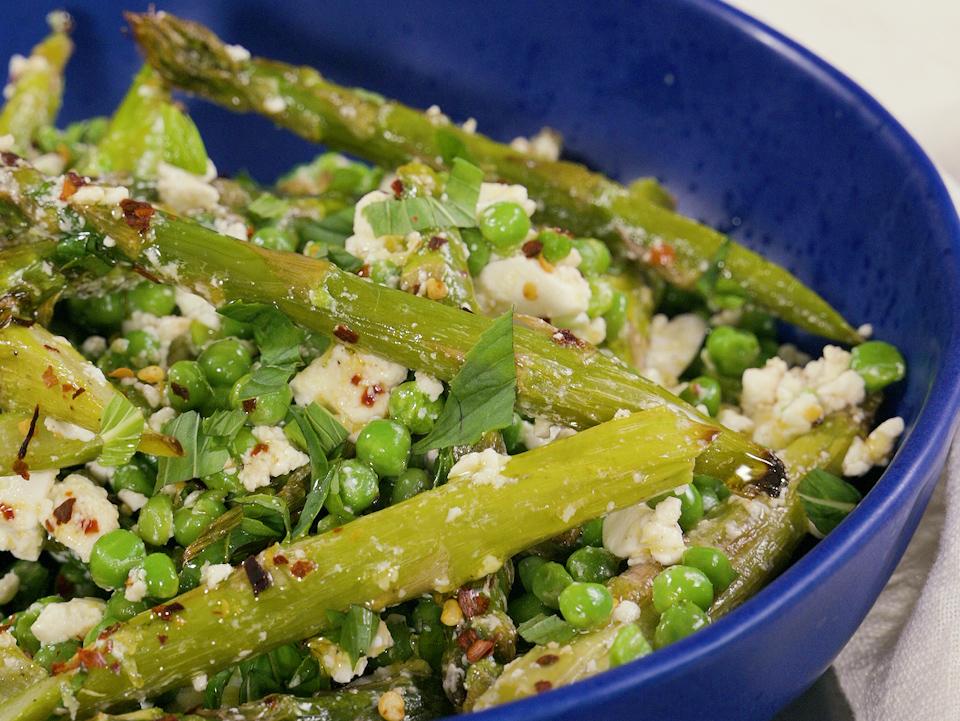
(357, 631)
(268, 207)
(826, 499)
(265, 379)
(120, 431)
(185, 428)
(543, 629)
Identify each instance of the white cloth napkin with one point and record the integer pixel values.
(903, 663)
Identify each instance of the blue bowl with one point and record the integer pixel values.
(756, 136)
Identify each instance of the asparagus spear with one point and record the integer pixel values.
(631, 343)
(38, 89)
(17, 670)
(191, 57)
(59, 410)
(762, 545)
(398, 553)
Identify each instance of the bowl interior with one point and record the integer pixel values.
(754, 136)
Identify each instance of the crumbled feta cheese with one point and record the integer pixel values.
(159, 419)
(274, 104)
(354, 386)
(335, 661)
(23, 506)
(865, 331)
(213, 574)
(367, 246)
(674, 343)
(59, 622)
(197, 308)
(94, 346)
(626, 612)
(545, 145)
(491, 193)
(232, 226)
(6, 143)
(103, 474)
(592, 330)
(69, 431)
(429, 385)
(135, 589)
(92, 515)
(483, 468)
(133, 500)
(541, 432)
(525, 284)
(382, 640)
(639, 533)
(272, 456)
(875, 450)
(237, 53)
(99, 195)
(49, 163)
(182, 191)
(9, 585)
(164, 328)
(729, 418)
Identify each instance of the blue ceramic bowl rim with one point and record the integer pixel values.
(918, 457)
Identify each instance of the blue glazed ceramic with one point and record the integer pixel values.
(756, 136)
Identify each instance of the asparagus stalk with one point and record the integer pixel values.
(38, 89)
(18, 672)
(631, 343)
(55, 403)
(386, 132)
(761, 546)
(421, 545)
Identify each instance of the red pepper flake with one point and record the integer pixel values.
(397, 187)
(181, 391)
(465, 640)
(7, 512)
(548, 659)
(302, 567)
(64, 511)
(140, 270)
(109, 631)
(67, 388)
(19, 466)
(356, 379)
(79, 392)
(49, 527)
(532, 248)
(280, 560)
(166, 611)
(661, 255)
(162, 638)
(481, 648)
(21, 469)
(259, 579)
(541, 686)
(9, 158)
(259, 448)
(90, 526)
(249, 405)
(565, 337)
(124, 372)
(71, 184)
(89, 658)
(51, 348)
(338, 529)
(345, 334)
(472, 603)
(436, 242)
(49, 377)
(364, 271)
(137, 214)
(370, 393)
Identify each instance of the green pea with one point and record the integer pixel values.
(71, 247)
(189, 523)
(593, 565)
(594, 256)
(878, 363)
(155, 522)
(357, 488)
(591, 533)
(691, 505)
(408, 484)
(713, 563)
(114, 555)
(24, 620)
(616, 316)
(187, 388)
(133, 476)
(385, 446)
(225, 361)
(242, 442)
(53, 653)
(479, 249)
(410, 405)
(121, 609)
(675, 301)
(34, 581)
(678, 622)
(629, 645)
(504, 224)
(585, 605)
(431, 638)
(276, 238)
(549, 581)
(161, 576)
(513, 435)
(201, 334)
(706, 391)
(713, 491)
(732, 350)
(152, 298)
(523, 608)
(105, 312)
(385, 272)
(267, 409)
(526, 567)
(143, 348)
(556, 245)
(762, 325)
(219, 400)
(224, 482)
(601, 297)
(681, 583)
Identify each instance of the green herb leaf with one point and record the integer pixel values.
(213, 693)
(826, 499)
(344, 260)
(451, 147)
(268, 509)
(223, 424)
(268, 207)
(276, 335)
(463, 186)
(186, 429)
(543, 629)
(120, 429)
(322, 434)
(265, 379)
(331, 230)
(357, 631)
(482, 394)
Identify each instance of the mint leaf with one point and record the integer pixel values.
(223, 424)
(357, 631)
(482, 394)
(120, 429)
(543, 629)
(268, 207)
(268, 509)
(276, 335)
(331, 230)
(265, 379)
(186, 429)
(451, 147)
(826, 499)
(463, 186)
(322, 434)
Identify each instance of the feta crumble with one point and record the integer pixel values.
(483, 468)
(91, 516)
(135, 588)
(59, 622)
(23, 506)
(875, 450)
(639, 533)
(9, 585)
(272, 456)
(559, 294)
(213, 574)
(674, 343)
(429, 385)
(68, 431)
(541, 432)
(182, 191)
